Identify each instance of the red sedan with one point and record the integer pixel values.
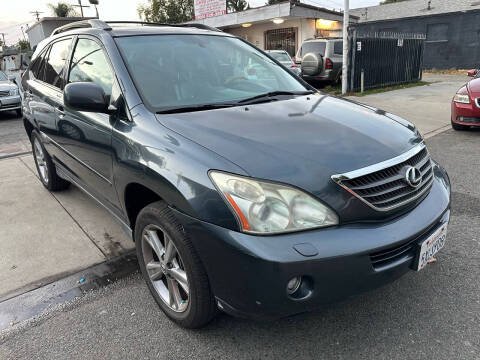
(466, 104)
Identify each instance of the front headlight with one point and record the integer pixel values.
(13, 91)
(266, 208)
(462, 98)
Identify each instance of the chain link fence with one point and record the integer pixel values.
(384, 59)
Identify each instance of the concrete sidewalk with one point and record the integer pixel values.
(46, 236)
(13, 138)
(428, 107)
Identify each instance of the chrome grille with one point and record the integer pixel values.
(4, 93)
(384, 186)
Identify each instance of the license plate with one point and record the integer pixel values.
(431, 246)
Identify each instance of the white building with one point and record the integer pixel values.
(45, 26)
(281, 26)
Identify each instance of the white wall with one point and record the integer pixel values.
(255, 34)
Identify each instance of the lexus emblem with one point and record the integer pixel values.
(413, 177)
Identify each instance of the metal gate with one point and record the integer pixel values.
(281, 39)
(384, 59)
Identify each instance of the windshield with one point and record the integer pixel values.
(282, 57)
(188, 70)
(3, 77)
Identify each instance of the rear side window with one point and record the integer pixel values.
(38, 66)
(55, 65)
(316, 47)
(89, 64)
(338, 48)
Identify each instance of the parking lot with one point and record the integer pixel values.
(433, 314)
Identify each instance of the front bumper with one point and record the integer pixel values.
(248, 274)
(10, 103)
(466, 114)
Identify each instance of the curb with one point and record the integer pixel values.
(8, 156)
(32, 303)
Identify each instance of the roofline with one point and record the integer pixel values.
(328, 11)
(414, 17)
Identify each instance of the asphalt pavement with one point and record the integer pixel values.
(432, 314)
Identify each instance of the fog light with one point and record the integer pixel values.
(294, 284)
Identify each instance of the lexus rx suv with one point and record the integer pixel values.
(244, 189)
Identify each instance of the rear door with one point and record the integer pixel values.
(45, 91)
(87, 136)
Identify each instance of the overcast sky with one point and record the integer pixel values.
(17, 12)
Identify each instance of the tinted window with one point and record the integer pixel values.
(37, 67)
(180, 70)
(317, 47)
(89, 64)
(55, 65)
(338, 47)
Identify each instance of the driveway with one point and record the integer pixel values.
(428, 107)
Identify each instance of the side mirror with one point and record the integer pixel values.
(85, 96)
(472, 72)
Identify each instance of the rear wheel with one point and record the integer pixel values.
(459, 127)
(173, 271)
(45, 167)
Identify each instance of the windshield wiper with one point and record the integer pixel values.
(270, 95)
(190, 108)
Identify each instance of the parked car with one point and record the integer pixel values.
(466, 104)
(321, 60)
(256, 196)
(284, 58)
(9, 94)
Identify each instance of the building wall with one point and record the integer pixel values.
(453, 40)
(306, 29)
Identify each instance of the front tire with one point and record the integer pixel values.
(459, 127)
(45, 167)
(171, 268)
(19, 112)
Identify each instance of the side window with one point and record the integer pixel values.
(338, 48)
(38, 66)
(89, 64)
(55, 65)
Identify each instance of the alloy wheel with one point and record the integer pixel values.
(40, 160)
(165, 268)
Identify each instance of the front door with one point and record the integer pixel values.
(87, 136)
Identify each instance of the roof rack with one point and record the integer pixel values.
(92, 23)
(198, 26)
(105, 25)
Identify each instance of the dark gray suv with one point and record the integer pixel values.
(244, 189)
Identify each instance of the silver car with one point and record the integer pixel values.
(9, 94)
(284, 58)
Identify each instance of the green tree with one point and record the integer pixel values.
(167, 11)
(1, 43)
(62, 9)
(384, 2)
(23, 45)
(237, 5)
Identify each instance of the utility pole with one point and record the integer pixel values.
(346, 19)
(81, 6)
(94, 3)
(23, 32)
(37, 14)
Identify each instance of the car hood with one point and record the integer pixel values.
(474, 86)
(301, 141)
